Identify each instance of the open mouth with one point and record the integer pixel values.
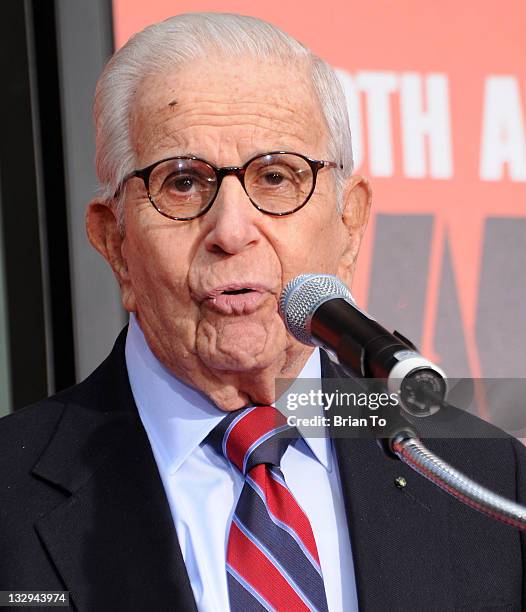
(235, 299)
(236, 291)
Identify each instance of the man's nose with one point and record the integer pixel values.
(233, 219)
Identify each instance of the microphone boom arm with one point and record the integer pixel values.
(412, 452)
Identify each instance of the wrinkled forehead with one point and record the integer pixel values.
(256, 103)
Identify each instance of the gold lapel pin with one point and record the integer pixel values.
(400, 482)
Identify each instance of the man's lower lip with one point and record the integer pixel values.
(238, 303)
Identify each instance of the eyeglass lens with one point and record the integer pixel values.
(276, 183)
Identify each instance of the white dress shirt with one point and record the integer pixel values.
(203, 488)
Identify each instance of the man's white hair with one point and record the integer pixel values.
(181, 39)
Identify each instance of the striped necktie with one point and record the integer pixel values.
(272, 559)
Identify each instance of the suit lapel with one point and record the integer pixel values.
(112, 540)
(399, 537)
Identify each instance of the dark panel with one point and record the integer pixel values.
(501, 329)
(20, 213)
(449, 341)
(53, 193)
(399, 272)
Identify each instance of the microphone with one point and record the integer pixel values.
(319, 310)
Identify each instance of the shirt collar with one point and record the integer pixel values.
(176, 416)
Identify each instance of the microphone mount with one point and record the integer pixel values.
(315, 309)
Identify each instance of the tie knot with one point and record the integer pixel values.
(252, 436)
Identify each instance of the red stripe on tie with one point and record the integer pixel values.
(250, 563)
(250, 428)
(284, 507)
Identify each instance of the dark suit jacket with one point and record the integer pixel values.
(82, 508)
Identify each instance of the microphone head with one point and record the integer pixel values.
(301, 298)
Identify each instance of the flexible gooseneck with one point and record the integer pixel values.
(412, 451)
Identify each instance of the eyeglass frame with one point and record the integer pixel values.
(239, 171)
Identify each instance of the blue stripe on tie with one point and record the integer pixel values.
(240, 600)
(274, 562)
(260, 441)
(231, 426)
(252, 513)
(283, 525)
(278, 476)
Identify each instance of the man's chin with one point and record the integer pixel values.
(241, 344)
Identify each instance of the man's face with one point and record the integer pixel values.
(178, 276)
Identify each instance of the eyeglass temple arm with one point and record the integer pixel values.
(139, 173)
(329, 164)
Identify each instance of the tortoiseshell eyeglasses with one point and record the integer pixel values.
(277, 183)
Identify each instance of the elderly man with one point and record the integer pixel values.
(224, 156)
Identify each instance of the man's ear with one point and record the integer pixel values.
(357, 198)
(104, 233)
